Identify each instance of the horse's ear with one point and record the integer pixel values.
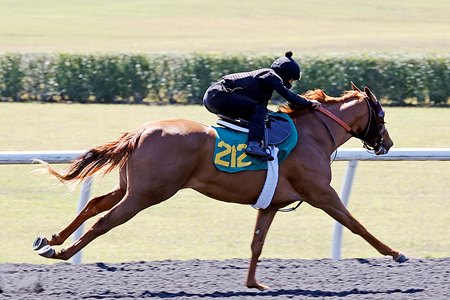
(370, 94)
(373, 98)
(354, 87)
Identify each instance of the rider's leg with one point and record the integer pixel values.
(256, 133)
(212, 98)
(220, 101)
(239, 106)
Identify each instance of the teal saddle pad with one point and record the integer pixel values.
(229, 152)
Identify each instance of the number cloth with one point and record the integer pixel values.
(229, 152)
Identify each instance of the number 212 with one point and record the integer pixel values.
(234, 161)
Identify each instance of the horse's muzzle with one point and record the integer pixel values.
(383, 147)
(381, 150)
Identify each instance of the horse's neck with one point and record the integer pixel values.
(353, 112)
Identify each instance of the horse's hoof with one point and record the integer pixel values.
(258, 286)
(47, 251)
(39, 242)
(401, 258)
(255, 285)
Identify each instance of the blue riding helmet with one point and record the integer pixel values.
(287, 68)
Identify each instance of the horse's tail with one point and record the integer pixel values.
(111, 154)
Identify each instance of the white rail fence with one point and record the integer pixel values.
(351, 155)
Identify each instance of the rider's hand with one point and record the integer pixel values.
(315, 104)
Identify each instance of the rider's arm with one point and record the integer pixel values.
(277, 84)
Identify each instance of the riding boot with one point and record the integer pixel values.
(254, 149)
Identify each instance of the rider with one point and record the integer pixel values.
(246, 95)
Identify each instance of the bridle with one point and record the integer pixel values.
(372, 134)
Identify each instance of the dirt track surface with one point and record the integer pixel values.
(208, 279)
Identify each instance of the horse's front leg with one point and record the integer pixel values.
(263, 222)
(328, 200)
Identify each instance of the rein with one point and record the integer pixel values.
(347, 128)
(368, 144)
(338, 120)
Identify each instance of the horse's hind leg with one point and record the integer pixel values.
(93, 207)
(127, 208)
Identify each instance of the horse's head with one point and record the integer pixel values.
(375, 136)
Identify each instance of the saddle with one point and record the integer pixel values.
(277, 128)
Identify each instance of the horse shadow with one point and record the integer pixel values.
(278, 293)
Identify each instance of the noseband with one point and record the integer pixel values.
(372, 138)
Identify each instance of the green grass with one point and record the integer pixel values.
(403, 203)
(307, 27)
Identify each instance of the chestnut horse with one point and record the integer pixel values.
(158, 159)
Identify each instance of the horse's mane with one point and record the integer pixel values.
(320, 96)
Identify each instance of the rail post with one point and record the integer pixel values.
(83, 199)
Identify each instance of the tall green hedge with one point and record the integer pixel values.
(173, 78)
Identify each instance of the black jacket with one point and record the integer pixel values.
(260, 84)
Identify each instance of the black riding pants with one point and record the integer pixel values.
(220, 100)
